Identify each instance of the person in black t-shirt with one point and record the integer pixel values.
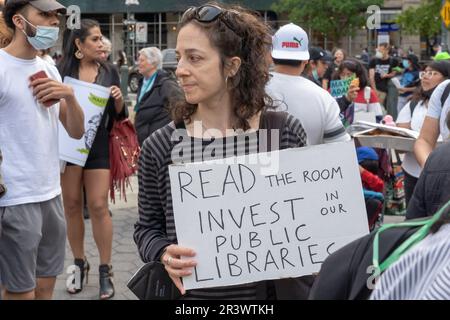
(338, 55)
(381, 71)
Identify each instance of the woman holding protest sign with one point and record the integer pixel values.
(83, 49)
(219, 52)
(359, 97)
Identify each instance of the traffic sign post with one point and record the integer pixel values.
(445, 13)
(445, 16)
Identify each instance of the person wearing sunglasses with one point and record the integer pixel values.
(223, 74)
(413, 115)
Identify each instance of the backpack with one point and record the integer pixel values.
(124, 153)
(348, 272)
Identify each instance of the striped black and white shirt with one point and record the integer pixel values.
(155, 228)
(423, 273)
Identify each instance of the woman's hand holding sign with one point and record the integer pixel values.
(353, 90)
(175, 266)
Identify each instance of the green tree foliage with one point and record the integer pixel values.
(423, 20)
(333, 18)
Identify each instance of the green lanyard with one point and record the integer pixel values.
(410, 242)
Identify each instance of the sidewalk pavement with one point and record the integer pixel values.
(125, 259)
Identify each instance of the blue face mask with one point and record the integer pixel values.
(406, 64)
(45, 38)
(315, 75)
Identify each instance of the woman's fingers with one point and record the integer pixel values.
(180, 264)
(176, 250)
(115, 92)
(176, 267)
(178, 272)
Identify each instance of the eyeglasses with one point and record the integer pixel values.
(428, 74)
(209, 13)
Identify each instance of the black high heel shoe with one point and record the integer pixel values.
(84, 268)
(106, 282)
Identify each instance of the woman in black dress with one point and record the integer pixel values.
(82, 60)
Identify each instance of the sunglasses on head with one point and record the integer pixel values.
(209, 13)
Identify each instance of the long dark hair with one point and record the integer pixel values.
(419, 94)
(357, 68)
(70, 65)
(251, 45)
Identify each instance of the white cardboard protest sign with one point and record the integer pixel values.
(93, 99)
(247, 227)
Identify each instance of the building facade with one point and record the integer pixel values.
(158, 20)
(389, 32)
(151, 23)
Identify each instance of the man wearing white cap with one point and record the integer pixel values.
(313, 106)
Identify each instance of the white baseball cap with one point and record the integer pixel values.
(290, 42)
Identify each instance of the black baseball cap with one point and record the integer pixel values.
(42, 5)
(316, 53)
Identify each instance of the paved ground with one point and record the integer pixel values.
(125, 259)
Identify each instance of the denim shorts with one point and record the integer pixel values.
(32, 244)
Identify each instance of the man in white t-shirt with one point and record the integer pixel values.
(32, 224)
(434, 124)
(317, 110)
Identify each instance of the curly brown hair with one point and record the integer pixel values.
(250, 40)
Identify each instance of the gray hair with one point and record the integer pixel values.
(153, 55)
(107, 44)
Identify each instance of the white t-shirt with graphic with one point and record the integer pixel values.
(316, 109)
(28, 134)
